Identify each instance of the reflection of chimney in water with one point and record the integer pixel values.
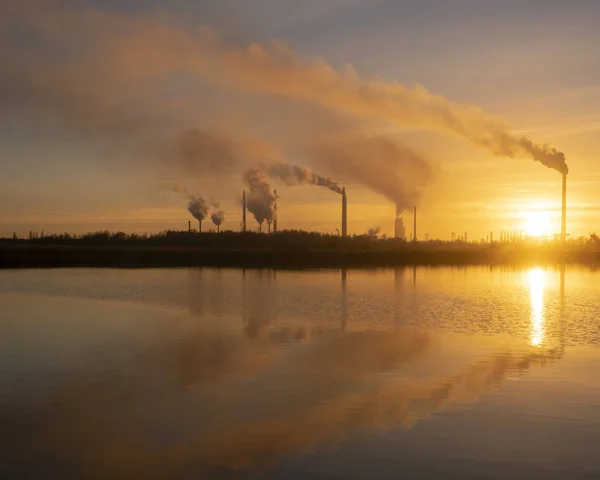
(258, 306)
(398, 291)
(196, 291)
(414, 277)
(344, 299)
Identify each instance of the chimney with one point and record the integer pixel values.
(244, 211)
(199, 226)
(344, 213)
(189, 226)
(415, 224)
(563, 222)
(275, 216)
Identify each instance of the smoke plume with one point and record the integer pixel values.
(300, 175)
(276, 69)
(198, 207)
(109, 75)
(381, 162)
(260, 201)
(218, 217)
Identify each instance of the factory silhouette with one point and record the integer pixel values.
(273, 248)
(400, 228)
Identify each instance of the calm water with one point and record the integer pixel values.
(201, 373)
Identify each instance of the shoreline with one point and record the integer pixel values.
(57, 256)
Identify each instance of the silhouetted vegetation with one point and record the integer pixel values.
(291, 248)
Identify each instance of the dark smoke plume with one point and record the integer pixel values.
(300, 175)
(198, 207)
(260, 201)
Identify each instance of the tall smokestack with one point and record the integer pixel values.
(275, 216)
(415, 224)
(199, 226)
(189, 226)
(563, 222)
(344, 213)
(244, 211)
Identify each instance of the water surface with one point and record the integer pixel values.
(208, 373)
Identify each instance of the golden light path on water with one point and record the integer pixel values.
(537, 279)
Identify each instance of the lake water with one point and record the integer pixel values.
(205, 373)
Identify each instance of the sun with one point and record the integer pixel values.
(536, 223)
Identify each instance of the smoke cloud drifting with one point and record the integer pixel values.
(300, 175)
(260, 201)
(276, 69)
(111, 78)
(382, 163)
(198, 207)
(218, 217)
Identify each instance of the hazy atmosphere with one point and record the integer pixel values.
(289, 239)
(117, 115)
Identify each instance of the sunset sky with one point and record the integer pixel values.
(96, 95)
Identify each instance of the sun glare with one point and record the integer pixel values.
(536, 223)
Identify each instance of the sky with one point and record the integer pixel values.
(113, 112)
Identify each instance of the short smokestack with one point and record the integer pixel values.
(344, 213)
(415, 224)
(244, 211)
(563, 221)
(275, 213)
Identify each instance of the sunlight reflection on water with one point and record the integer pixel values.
(537, 279)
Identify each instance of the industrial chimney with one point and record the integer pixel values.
(189, 226)
(275, 213)
(563, 223)
(415, 225)
(244, 211)
(199, 226)
(344, 213)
